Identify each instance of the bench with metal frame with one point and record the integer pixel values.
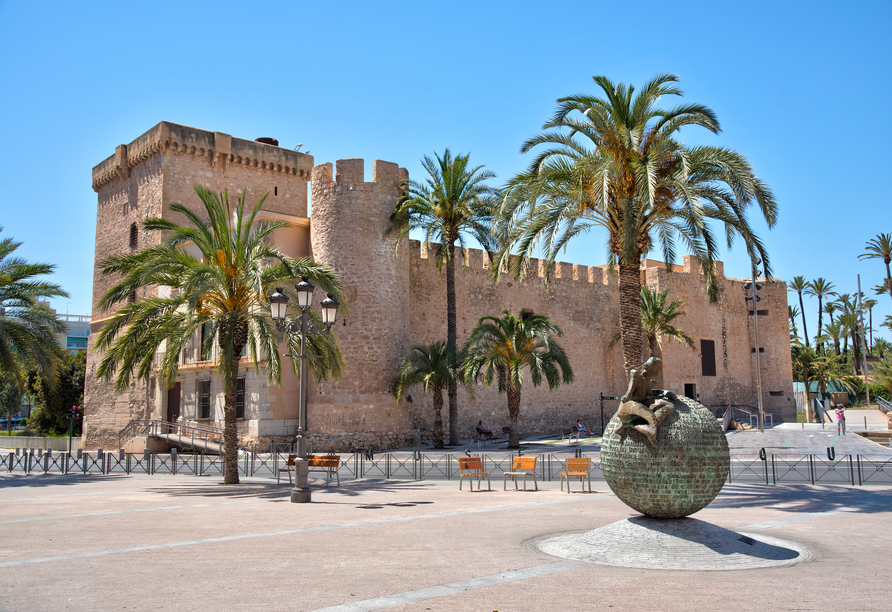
(326, 464)
(569, 433)
(577, 467)
(521, 466)
(472, 467)
(289, 467)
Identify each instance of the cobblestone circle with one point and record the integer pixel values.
(675, 544)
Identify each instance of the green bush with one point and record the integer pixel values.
(857, 386)
(880, 391)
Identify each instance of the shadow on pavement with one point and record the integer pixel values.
(803, 498)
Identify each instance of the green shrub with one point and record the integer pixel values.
(880, 391)
(857, 386)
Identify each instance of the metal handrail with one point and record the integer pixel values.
(152, 427)
(884, 405)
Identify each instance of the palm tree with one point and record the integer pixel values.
(615, 162)
(656, 320)
(882, 347)
(799, 284)
(869, 304)
(820, 288)
(835, 331)
(792, 313)
(451, 205)
(503, 348)
(431, 367)
(826, 368)
(880, 247)
(225, 290)
(849, 320)
(882, 374)
(887, 323)
(26, 325)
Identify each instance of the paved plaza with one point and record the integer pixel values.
(115, 542)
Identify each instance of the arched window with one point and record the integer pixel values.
(134, 237)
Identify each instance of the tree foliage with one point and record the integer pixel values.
(55, 397)
(504, 349)
(615, 162)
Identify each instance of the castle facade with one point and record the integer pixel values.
(397, 301)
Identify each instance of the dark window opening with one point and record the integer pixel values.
(203, 390)
(275, 191)
(240, 398)
(690, 391)
(134, 236)
(205, 342)
(776, 393)
(762, 313)
(761, 350)
(707, 357)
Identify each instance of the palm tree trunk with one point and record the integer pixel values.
(513, 413)
(230, 433)
(888, 279)
(855, 353)
(630, 314)
(451, 339)
(802, 310)
(437, 437)
(820, 321)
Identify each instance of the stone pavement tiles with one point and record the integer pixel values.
(164, 542)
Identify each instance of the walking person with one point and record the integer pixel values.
(840, 420)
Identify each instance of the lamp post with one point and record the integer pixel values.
(278, 302)
(755, 298)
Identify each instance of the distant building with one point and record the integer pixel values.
(76, 333)
(396, 302)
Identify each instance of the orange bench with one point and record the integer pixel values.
(289, 467)
(327, 464)
(472, 467)
(577, 468)
(521, 466)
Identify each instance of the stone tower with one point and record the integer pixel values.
(140, 180)
(349, 225)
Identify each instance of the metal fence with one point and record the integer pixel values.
(770, 469)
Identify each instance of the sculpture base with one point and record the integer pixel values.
(300, 496)
(674, 544)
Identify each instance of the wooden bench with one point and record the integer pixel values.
(326, 464)
(289, 467)
(472, 467)
(577, 468)
(569, 433)
(521, 466)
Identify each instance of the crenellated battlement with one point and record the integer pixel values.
(218, 148)
(349, 174)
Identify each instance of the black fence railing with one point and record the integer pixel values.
(787, 468)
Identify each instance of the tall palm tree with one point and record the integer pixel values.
(825, 369)
(880, 247)
(835, 331)
(820, 288)
(615, 162)
(792, 314)
(656, 320)
(799, 284)
(429, 366)
(849, 320)
(504, 348)
(453, 203)
(869, 304)
(225, 289)
(26, 325)
(882, 347)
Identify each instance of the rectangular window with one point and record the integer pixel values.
(205, 348)
(203, 392)
(707, 357)
(240, 398)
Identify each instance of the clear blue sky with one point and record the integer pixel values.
(801, 88)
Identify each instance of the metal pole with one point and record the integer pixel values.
(863, 343)
(601, 402)
(758, 368)
(301, 492)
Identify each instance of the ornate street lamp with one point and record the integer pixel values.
(278, 303)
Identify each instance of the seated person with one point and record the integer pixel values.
(582, 428)
(482, 431)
